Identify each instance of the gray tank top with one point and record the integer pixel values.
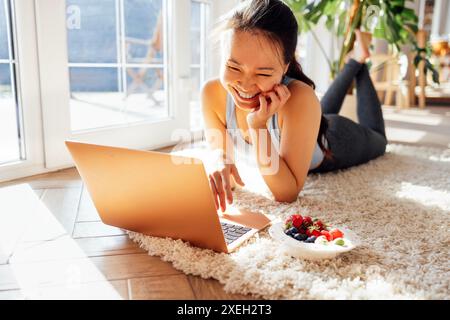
(244, 149)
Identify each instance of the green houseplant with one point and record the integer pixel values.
(390, 20)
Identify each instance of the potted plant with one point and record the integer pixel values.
(390, 20)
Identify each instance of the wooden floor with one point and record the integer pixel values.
(64, 251)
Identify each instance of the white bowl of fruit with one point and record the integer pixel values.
(305, 238)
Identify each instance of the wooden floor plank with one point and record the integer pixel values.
(63, 204)
(8, 280)
(22, 215)
(175, 287)
(67, 178)
(213, 290)
(87, 211)
(133, 266)
(63, 248)
(84, 270)
(95, 229)
(105, 290)
(108, 246)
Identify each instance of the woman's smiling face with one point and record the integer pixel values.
(251, 65)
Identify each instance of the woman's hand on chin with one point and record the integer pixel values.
(269, 104)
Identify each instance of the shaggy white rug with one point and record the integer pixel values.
(399, 207)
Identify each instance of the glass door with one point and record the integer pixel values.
(117, 63)
(126, 65)
(21, 148)
(11, 125)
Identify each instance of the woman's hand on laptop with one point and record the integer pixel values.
(221, 184)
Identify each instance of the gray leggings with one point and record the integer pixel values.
(351, 143)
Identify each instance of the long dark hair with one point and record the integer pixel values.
(275, 20)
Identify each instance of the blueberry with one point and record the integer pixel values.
(303, 237)
(311, 239)
(291, 231)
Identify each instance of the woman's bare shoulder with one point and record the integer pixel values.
(214, 96)
(302, 96)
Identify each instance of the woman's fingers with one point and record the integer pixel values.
(227, 187)
(283, 93)
(262, 103)
(220, 191)
(236, 176)
(214, 190)
(275, 100)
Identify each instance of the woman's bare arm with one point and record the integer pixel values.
(301, 122)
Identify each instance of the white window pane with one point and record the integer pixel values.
(9, 133)
(143, 31)
(146, 93)
(3, 32)
(195, 32)
(91, 31)
(94, 79)
(105, 89)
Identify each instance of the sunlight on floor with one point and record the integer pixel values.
(249, 174)
(429, 120)
(44, 260)
(405, 135)
(426, 196)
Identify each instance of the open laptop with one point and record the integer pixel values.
(162, 195)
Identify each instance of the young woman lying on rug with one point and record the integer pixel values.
(263, 96)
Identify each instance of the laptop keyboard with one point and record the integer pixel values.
(233, 231)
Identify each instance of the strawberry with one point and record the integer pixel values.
(307, 221)
(297, 220)
(320, 225)
(313, 231)
(288, 222)
(316, 233)
(327, 235)
(336, 233)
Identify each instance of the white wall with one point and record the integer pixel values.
(441, 18)
(447, 19)
(315, 65)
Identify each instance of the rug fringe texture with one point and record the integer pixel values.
(398, 205)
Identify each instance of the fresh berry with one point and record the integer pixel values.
(311, 239)
(327, 235)
(313, 231)
(320, 225)
(300, 237)
(291, 231)
(288, 223)
(302, 230)
(307, 221)
(297, 220)
(336, 233)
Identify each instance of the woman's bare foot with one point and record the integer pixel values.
(360, 50)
